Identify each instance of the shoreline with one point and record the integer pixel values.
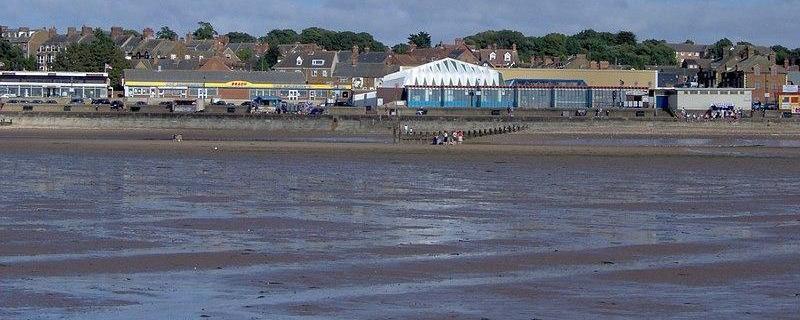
(228, 143)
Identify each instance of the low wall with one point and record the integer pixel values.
(361, 123)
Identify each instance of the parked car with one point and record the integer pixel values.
(13, 101)
(37, 101)
(422, 112)
(220, 103)
(117, 105)
(8, 95)
(51, 102)
(247, 104)
(76, 101)
(141, 103)
(101, 101)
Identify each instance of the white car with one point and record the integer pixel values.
(8, 95)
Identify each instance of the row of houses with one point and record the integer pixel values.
(740, 66)
(144, 50)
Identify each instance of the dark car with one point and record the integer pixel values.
(101, 101)
(13, 101)
(247, 104)
(220, 103)
(316, 111)
(76, 101)
(52, 102)
(141, 103)
(117, 105)
(37, 101)
(422, 112)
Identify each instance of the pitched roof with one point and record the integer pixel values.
(214, 76)
(365, 70)
(307, 60)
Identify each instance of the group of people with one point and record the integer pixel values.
(713, 113)
(444, 138)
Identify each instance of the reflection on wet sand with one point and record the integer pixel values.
(100, 231)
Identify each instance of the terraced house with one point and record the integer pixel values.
(27, 39)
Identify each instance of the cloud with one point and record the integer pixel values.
(763, 22)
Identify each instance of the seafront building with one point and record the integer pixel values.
(39, 84)
(231, 86)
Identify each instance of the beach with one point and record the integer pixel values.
(585, 222)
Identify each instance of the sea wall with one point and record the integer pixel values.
(374, 123)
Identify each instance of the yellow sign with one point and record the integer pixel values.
(237, 84)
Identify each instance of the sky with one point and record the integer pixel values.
(763, 22)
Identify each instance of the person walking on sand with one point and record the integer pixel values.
(445, 137)
(455, 137)
(460, 137)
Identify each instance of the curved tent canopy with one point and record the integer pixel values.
(445, 72)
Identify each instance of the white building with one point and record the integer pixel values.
(445, 72)
(702, 99)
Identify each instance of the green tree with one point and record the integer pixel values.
(688, 41)
(421, 39)
(717, 48)
(93, 57)
(166, 33)
(205, 31)
(12, 58)
(269, 59)
(278, 37)
(345, 40)
(625, 37)
(400, 48)
(240, 37)
(245, 54)
(131, 32)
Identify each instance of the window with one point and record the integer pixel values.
(314, 73)
(317, 62)
(299, 61)
(492, 56)
(507, 57)
(324, 73)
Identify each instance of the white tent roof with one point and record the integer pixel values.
(445, 72)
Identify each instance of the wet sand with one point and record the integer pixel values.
(100, 226)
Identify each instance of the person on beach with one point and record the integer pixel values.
(455, 137)
(460, 137)
(445, 137)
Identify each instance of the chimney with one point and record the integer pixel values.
(116, 32)
(354, 56)
(148, 34)
(52, 32)
(189, 37)
(71, 32)
(771, 57)
(85, 31)
(514, 47)
(494, 45)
